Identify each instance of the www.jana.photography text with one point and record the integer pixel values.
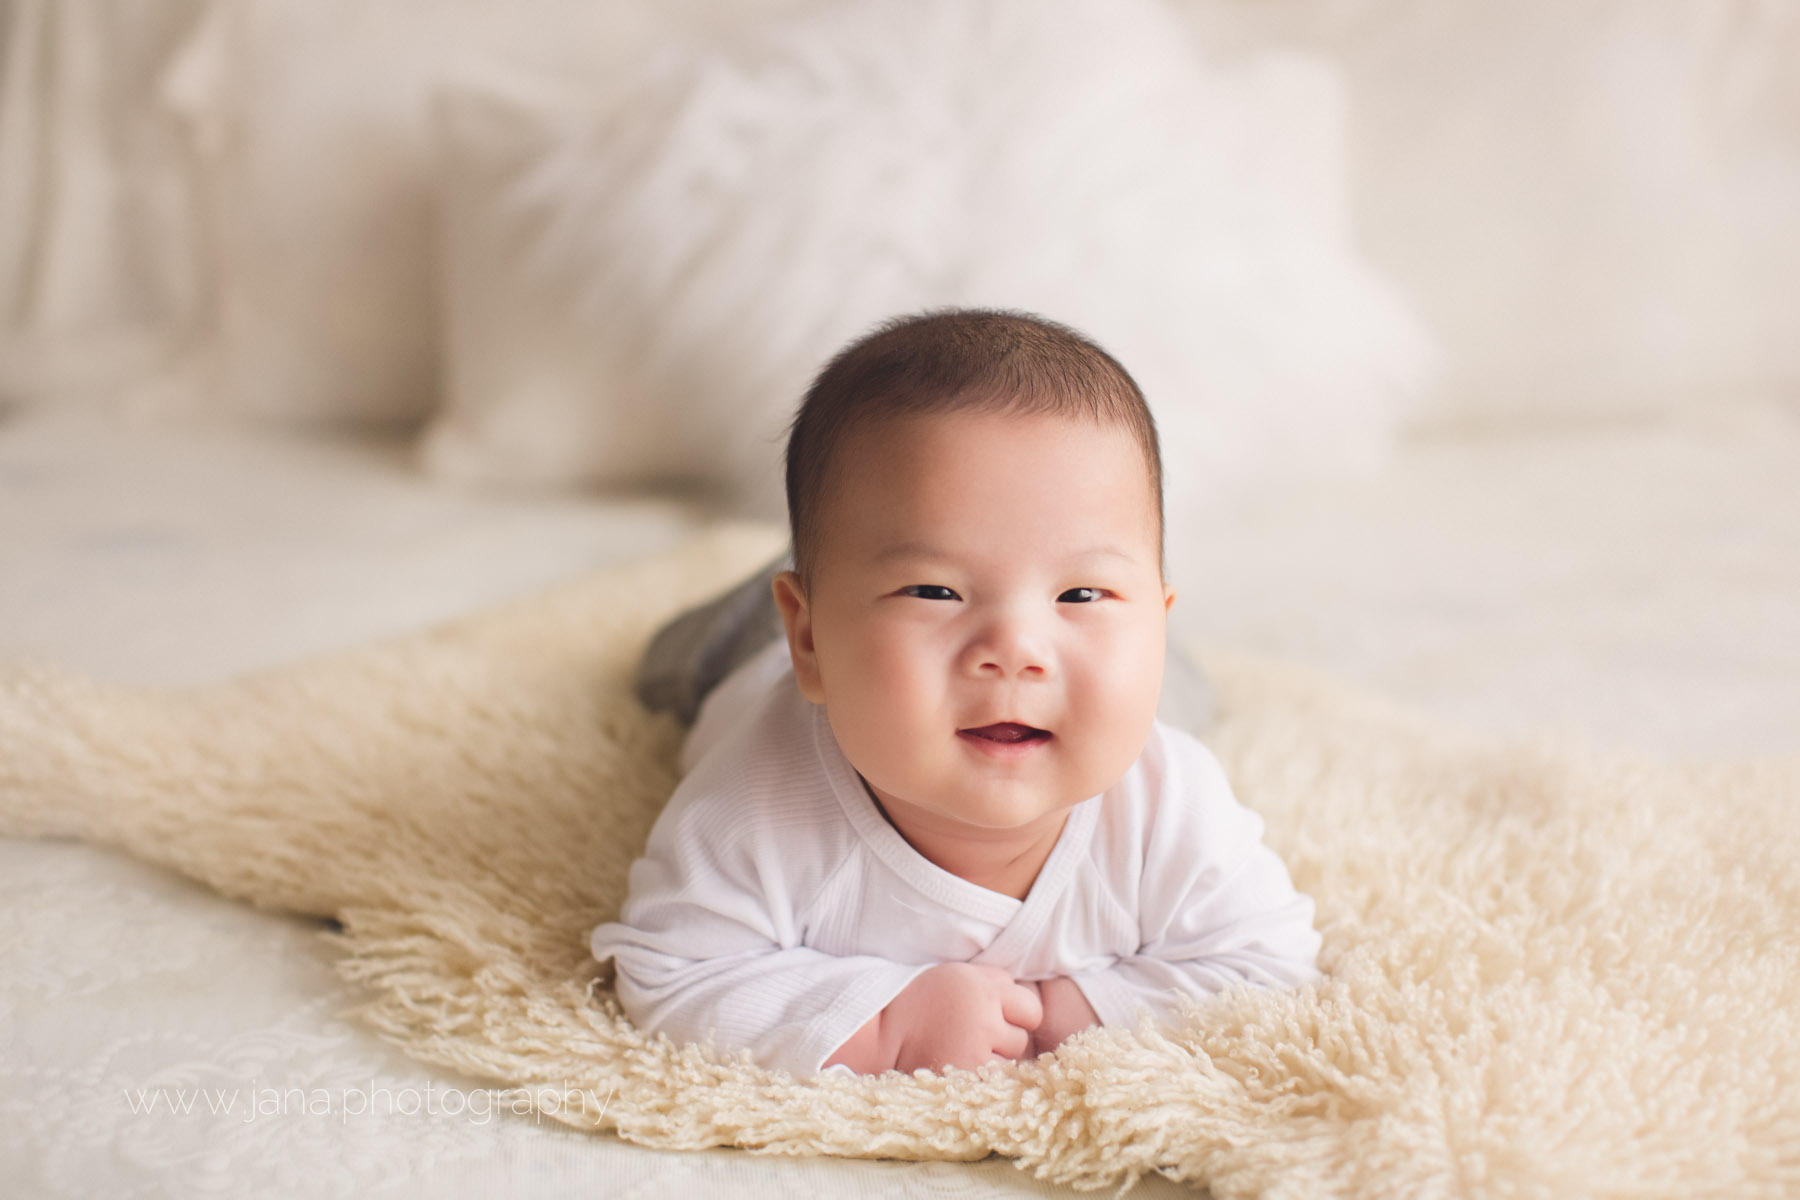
(258, 1102)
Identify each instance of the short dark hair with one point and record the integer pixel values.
(955, 360)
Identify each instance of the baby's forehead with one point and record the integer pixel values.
(968, 466)
(933, 449)
(991, 425)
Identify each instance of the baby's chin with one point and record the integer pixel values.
(1000, 811)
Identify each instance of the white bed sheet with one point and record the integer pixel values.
(1633, 586)
(1630, 586)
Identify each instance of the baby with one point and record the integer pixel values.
(939, 823)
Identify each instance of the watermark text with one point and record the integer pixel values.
(478, 1105)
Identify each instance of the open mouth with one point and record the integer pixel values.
(1006, 733)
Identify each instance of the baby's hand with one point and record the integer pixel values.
(1066, 1013)
(952, 1015)
(961, 1015)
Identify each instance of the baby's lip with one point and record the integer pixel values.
(1006, 732)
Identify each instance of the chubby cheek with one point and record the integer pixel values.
(882, 693)
(1114, 692)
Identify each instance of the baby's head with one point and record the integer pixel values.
(978, 600)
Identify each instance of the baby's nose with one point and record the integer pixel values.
(1009, 650)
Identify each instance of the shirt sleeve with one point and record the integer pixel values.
(1216, 907)
(709, 945)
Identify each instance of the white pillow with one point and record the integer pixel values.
(312, 125)
(99, 270)
(1592, 204)
(641, 291)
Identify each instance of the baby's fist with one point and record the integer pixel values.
(951, 1015)
(961, 1015)
(1066, 1012)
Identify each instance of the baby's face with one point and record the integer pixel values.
(986, 622)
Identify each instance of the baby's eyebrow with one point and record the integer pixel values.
(1103, 552)
(913, 551)
(906, 550)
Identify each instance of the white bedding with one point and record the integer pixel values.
(1629, 586)
(223, 210)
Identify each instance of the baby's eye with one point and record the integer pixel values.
(929, 591)
(1080, 596)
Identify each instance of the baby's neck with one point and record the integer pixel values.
(1002, 860)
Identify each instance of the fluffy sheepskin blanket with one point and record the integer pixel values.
(1546, 976)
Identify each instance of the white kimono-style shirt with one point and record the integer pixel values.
(775, 908)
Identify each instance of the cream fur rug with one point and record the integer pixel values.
(1547, 977)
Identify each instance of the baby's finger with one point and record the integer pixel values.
(1020, 1005)
(1011, 1042)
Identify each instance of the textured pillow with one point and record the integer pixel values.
(639, 292)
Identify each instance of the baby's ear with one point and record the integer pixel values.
(1168, 596)
(796, 617)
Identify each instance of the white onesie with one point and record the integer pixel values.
(776, 909)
